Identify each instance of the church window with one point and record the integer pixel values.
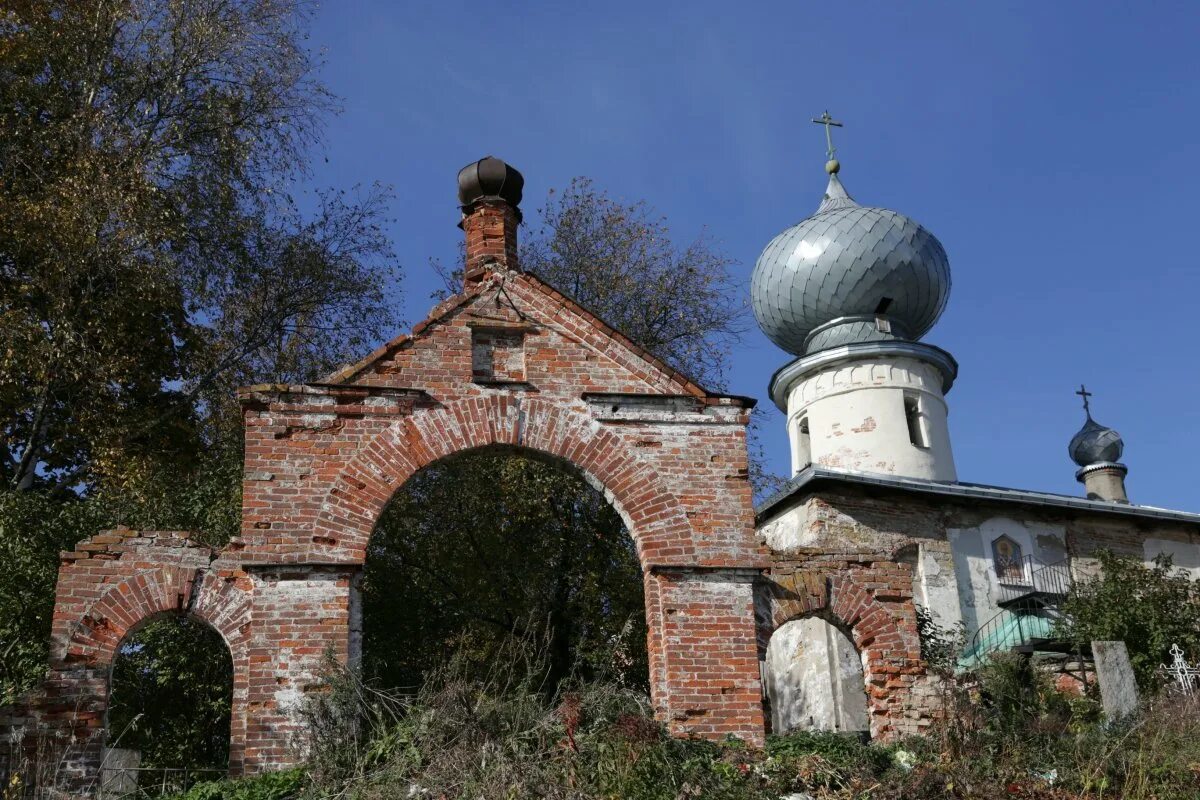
(802, 450)
(915, 420)
(1007, 556)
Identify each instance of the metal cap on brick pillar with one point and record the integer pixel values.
(489, 192)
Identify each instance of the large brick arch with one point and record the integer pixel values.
(652, 514)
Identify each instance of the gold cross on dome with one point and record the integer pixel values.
(828, 122)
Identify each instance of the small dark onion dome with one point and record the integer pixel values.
(822, 282)
(1095, 444)
(489, 177)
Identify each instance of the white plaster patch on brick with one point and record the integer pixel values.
(814, 679)
(789, 530)
(289, 699)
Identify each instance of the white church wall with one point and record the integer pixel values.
(1090, 536)
(1184, 553)
(813, 676)
(975, 567)
(857, 419)
(935, 586)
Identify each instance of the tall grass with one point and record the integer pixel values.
(506, 732)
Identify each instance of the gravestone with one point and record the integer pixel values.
(119, 772)
(1118, 687)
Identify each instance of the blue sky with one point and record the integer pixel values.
(1052, 147)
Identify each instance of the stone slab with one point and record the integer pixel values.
(1118, 687)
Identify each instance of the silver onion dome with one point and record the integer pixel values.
(824, 281)
(1095, 444)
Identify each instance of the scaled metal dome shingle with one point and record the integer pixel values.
(848, 260)
(1095, 444)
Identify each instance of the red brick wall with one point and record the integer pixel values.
(705, 643)
(107, 587)
(301, 618)
(872, 601)
(323, 460)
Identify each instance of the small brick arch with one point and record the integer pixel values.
(120, 610)
(882, 628)
(653, 515)
(220, 601)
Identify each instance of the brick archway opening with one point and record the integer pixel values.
(172, 672)
(498, 543)
(871, 604)
(814, 676)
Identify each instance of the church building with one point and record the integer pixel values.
(803, 612)
(848, 293)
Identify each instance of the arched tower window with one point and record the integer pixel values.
(801, 445)
(915, 418)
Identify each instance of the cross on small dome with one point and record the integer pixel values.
(1094, 443)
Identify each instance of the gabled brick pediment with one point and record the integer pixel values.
(515, 328)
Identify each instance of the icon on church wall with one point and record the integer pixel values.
(1009, 561)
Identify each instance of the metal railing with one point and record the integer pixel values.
(1030, 597)
(1013, 628)
(1030, 577)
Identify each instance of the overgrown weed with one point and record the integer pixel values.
(506, 733)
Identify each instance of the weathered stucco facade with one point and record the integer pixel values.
(910, 543)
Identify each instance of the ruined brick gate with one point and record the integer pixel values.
(509, 362)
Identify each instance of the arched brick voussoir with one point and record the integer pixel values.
(871, 620)
(224, 601)
(99, 631)
(358, 495)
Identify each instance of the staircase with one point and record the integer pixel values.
(1031, 606)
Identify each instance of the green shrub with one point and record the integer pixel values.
(1004, 733)
(268, 786)
(1148, 608)
(819, 761)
